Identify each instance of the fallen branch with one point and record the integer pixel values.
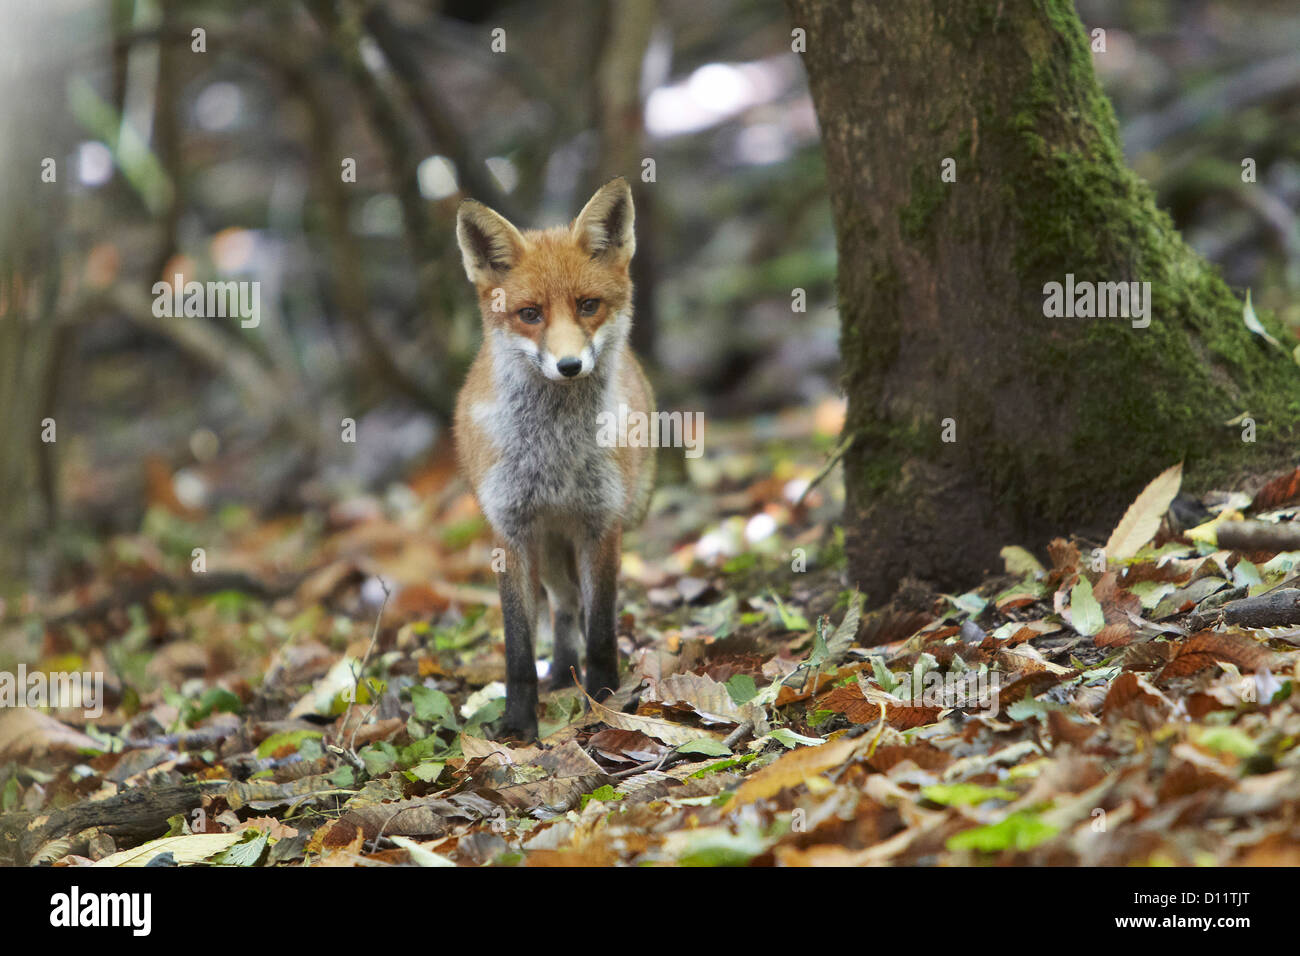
(1274, 609)
(129, 817)
(1258, 536)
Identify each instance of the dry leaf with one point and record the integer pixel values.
(1142, 519)
(798, 765)
(189, 848)
(670, 733)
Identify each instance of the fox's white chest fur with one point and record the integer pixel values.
(551, 471)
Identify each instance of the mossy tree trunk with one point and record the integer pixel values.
(1058, 422)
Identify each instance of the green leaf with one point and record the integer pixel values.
(791, 620)
(1246, 574)
(820, 717)
(965, 794)
(1020, 562)
(343, 778)
(722, 765)
(605, 794)
(838, 644)
(1019, 831)
(429, 771)
(433, 706)
(970, 603)
(283, 739)
(742, 689)
(716, 846)
(246, 852)
(213, 699)
(884, 676)
(705, 747)
(789, 739)
(1228, 740)
(1085, 612)
(1028, 707)
(379, 757)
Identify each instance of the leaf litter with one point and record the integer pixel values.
(342, 712)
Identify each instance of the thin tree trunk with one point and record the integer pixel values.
(1058, 421)
(621, 125)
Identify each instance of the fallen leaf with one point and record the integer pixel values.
(796, 766)
(1142, 519)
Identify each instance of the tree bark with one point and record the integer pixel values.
(1058, 421)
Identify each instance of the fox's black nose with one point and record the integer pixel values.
(569, 367)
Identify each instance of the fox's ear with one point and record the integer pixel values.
(604, 226)
(489, 244)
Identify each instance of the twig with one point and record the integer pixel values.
(350, 754)
(735, 736)
(676, 756)
(831, 462)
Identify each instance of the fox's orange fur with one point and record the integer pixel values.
(556, 307)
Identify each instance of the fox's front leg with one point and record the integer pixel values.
(598, 562)
(518, 586)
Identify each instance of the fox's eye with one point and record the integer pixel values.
(588, 306)
(530, 315)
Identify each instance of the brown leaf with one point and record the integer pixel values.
(423, 816)
(793, 768)
(1206, 648)
(1033, 684)
(710, 700)
(473, 747)
(1114, 635)
(569, 774)
(1127, 688)
(26, 734)
(1065, 562)
(1065, 730)
(850, 702)
(925, 755)
(669, 732)
(1280, 491)
(627, 746)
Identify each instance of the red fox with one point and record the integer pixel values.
(557, 309)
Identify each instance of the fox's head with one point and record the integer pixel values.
(560, 298)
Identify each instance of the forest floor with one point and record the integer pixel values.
(323, 692)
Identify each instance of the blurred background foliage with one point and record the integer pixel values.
(226, 163)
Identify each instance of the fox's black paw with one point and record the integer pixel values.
(518, 727)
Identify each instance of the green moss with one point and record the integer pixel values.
(929, 192)
(1142, 398)
(1112, 405)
